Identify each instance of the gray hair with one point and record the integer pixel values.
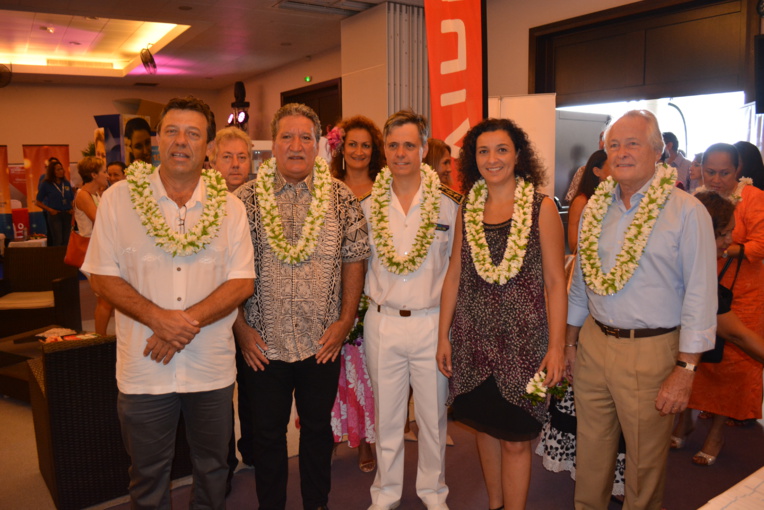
(296, 109)
(654, 136)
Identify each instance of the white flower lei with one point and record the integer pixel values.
(380, 223)
(196, 238)
(269, 212)
(737, 194)
(517, 242)
(637, 234)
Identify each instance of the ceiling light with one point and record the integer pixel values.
(50, 30)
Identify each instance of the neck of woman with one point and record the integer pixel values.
(358, 181)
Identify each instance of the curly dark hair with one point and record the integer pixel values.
(50, 169)
(527, 164)
(377, 160)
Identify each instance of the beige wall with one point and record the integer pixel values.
(39, 114)
(264, 91)
(364, 65)
(50, 114)
(508, 24)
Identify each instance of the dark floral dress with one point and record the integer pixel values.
(501, 331)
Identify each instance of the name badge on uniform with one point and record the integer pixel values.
(441, 227)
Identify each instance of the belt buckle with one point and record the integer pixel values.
(611, 331)
(405, 313)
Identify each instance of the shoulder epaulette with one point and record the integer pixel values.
(452, 194)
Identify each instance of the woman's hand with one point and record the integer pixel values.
(554, 363)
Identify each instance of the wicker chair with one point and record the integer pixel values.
(74, 404)
(38, 289)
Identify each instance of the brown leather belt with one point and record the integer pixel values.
(402, 313)
(627, 333)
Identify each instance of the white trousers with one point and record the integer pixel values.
(401, 351)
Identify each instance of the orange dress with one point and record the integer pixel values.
(733, 387)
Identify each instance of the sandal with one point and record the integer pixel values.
(677, 443)
(703, 459)
(367, 466)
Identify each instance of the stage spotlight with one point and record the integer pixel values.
(239, 117)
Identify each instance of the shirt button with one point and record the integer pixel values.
(177, 269)
(178, 299)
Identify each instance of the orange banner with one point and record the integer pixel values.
(5, 188)
(35, 158)
(455, 53)
(6, 220)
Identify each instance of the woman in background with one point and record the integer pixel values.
(55, 197)
(595, 171)
(751, 163)
(358, 157)
(708, 387)
(95, 180)
(733, 387)
(116, 172)
(439, 158)
(696, 174)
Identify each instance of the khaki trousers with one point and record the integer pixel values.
(616, 383)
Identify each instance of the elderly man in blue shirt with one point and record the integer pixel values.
(642, 308)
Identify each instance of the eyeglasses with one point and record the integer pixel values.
(182, 220)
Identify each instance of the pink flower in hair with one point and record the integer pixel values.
(335, 138)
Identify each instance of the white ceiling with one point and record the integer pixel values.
(227, 40)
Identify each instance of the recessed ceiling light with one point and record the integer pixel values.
(185, 7)
(75, 43)
(92, 18)
(48, 29)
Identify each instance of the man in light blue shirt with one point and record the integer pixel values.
(633, 350)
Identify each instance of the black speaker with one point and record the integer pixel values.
(758, 71)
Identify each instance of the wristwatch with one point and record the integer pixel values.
(687, 366)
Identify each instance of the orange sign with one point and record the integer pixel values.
(455, 53)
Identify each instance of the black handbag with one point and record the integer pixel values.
(716, 354)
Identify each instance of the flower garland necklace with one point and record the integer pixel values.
(637, 234)
(381, 194)
(269, 212)
(737, 194)
(174, 243)
(517, 241)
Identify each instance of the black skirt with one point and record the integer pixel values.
(485, 410)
